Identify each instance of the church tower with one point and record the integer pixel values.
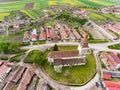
(83, 46)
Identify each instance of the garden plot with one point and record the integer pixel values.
(96, 34)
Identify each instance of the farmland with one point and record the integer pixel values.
(38, 4)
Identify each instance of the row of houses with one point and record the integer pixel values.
(113, 26)
(5, 69)
(80, 13)
(113, 9)
(22, 76)
(111, 85)
(107, 31)
(56, 33)
(110, 60)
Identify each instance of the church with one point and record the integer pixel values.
(70, 58)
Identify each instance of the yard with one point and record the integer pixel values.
(97, 41)
(79, 75)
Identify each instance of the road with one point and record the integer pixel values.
(98, 47)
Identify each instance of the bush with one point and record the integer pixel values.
(3, 58)
(55, 48)
(25, 44)
(17, 58)
(36, 57)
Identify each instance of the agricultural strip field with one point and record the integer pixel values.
(20, 4)
(2, 16)
(96, 16)
(39, 4)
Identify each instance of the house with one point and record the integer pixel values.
(54, 35)
(61, 59)
(116, 59)
(42, 34)
(26, 79)
(16, 77)
(110, 85)
(26, 37)
(76, 34)
(71, 35)
(108, 61)
(64, 34)
(106, 76)
(48, 33)
(4, 71)
(34, 35)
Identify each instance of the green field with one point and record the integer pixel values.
(38, 4)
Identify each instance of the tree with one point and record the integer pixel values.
(4, 47)
(55, 48)
(14, 47)
(37, 56)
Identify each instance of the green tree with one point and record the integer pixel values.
(37, 56)
(55, 48)
(14, 46)
(4, 47)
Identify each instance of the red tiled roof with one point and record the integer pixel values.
(112, 84)
(34, 36)
(42, 35)
(76, 34)
(111, 88)
(105, 55)
(18, 74)
(108, 60)
(26, 79)
(115, 57)
(3, 70)
(61, 54)
(64, 34)
(48, 33)
(106, 76)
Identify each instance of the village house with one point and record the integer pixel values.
(26, 37)
(34, 35)
(4, 70)
(22, 76)
(111, 61)
(26, 79)
(111, 85)
(61, 59)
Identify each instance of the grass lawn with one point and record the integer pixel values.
(39, 42)
(79, 75)
(17, 58)
(115, 79)
(97, 41)
(116, 46)
(67, 48)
